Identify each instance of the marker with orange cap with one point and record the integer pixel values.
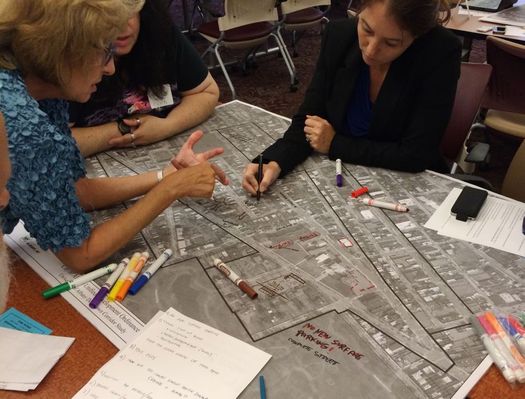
(116, 288)
(495, 354)
(508, 349)
(132, 276)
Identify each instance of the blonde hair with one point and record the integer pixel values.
(134, 5)
(48, 38)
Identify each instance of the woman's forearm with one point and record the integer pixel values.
(99, 193)
(91, 140)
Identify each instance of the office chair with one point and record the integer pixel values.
(246, 24)
(469, 92)
(300, 15)
(513, 183)
(505, 95)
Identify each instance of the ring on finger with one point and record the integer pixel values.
(138, 121)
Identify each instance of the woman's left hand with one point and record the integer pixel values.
(141, 127)
(319, 133)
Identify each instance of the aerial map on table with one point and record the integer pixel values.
(353, 301)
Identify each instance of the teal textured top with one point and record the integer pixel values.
(46, 163)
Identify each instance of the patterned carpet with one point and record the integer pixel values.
(267, 84)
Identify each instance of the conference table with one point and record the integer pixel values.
(91, 349)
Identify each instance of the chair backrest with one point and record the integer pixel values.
(290, 6)
(243, 12)
(506, 89)
(514, 182)
(469, 92)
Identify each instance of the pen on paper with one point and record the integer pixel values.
(259, 176)
(239, 282)
(338, 173)
(384, 205)
(101, 294)
(144, 277)
(68, 285)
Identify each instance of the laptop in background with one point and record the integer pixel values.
(489, 5)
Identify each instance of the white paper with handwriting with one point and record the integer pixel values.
(177, 357)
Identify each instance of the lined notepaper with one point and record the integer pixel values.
(177, 357)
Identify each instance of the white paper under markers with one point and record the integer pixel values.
(498, 225)
(177, 357)
(27, 358)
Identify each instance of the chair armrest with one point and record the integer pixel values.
(478, 154)
(476, 180)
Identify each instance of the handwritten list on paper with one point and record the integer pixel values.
(177, 357)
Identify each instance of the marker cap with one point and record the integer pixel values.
(54, 291)
(248, 290)
(138, 284)
(101, 294)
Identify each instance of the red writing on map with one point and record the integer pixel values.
(324, 340)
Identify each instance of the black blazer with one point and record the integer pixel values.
(411, 111)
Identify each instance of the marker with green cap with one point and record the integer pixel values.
(68, 285)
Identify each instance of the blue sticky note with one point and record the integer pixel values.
(16, 320)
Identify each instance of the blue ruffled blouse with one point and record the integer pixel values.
(46, 163)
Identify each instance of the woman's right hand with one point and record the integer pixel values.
(271, 172)
(196, 181)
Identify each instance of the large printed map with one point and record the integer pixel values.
(353, 301)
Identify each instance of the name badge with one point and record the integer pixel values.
(164, 100)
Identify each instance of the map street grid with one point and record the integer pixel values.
(354, 301)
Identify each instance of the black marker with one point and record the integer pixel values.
(259, 176)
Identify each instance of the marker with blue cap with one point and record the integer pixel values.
(144, 277)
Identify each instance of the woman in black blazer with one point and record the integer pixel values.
(381, 95)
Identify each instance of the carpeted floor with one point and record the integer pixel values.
(267, 83)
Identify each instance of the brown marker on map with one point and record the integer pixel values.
(239, 282)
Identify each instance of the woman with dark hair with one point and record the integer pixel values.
(161, 87)
(381, 95)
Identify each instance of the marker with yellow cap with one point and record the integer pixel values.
(132, 276)
(116, 288)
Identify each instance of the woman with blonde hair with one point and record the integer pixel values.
(381, 95)
(56, 50)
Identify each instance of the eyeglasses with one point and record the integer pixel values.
(109, 53)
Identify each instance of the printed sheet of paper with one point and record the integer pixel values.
(177, 357)
(27, 358)
(498, 225)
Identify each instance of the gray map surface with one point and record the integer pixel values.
(354, 301)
